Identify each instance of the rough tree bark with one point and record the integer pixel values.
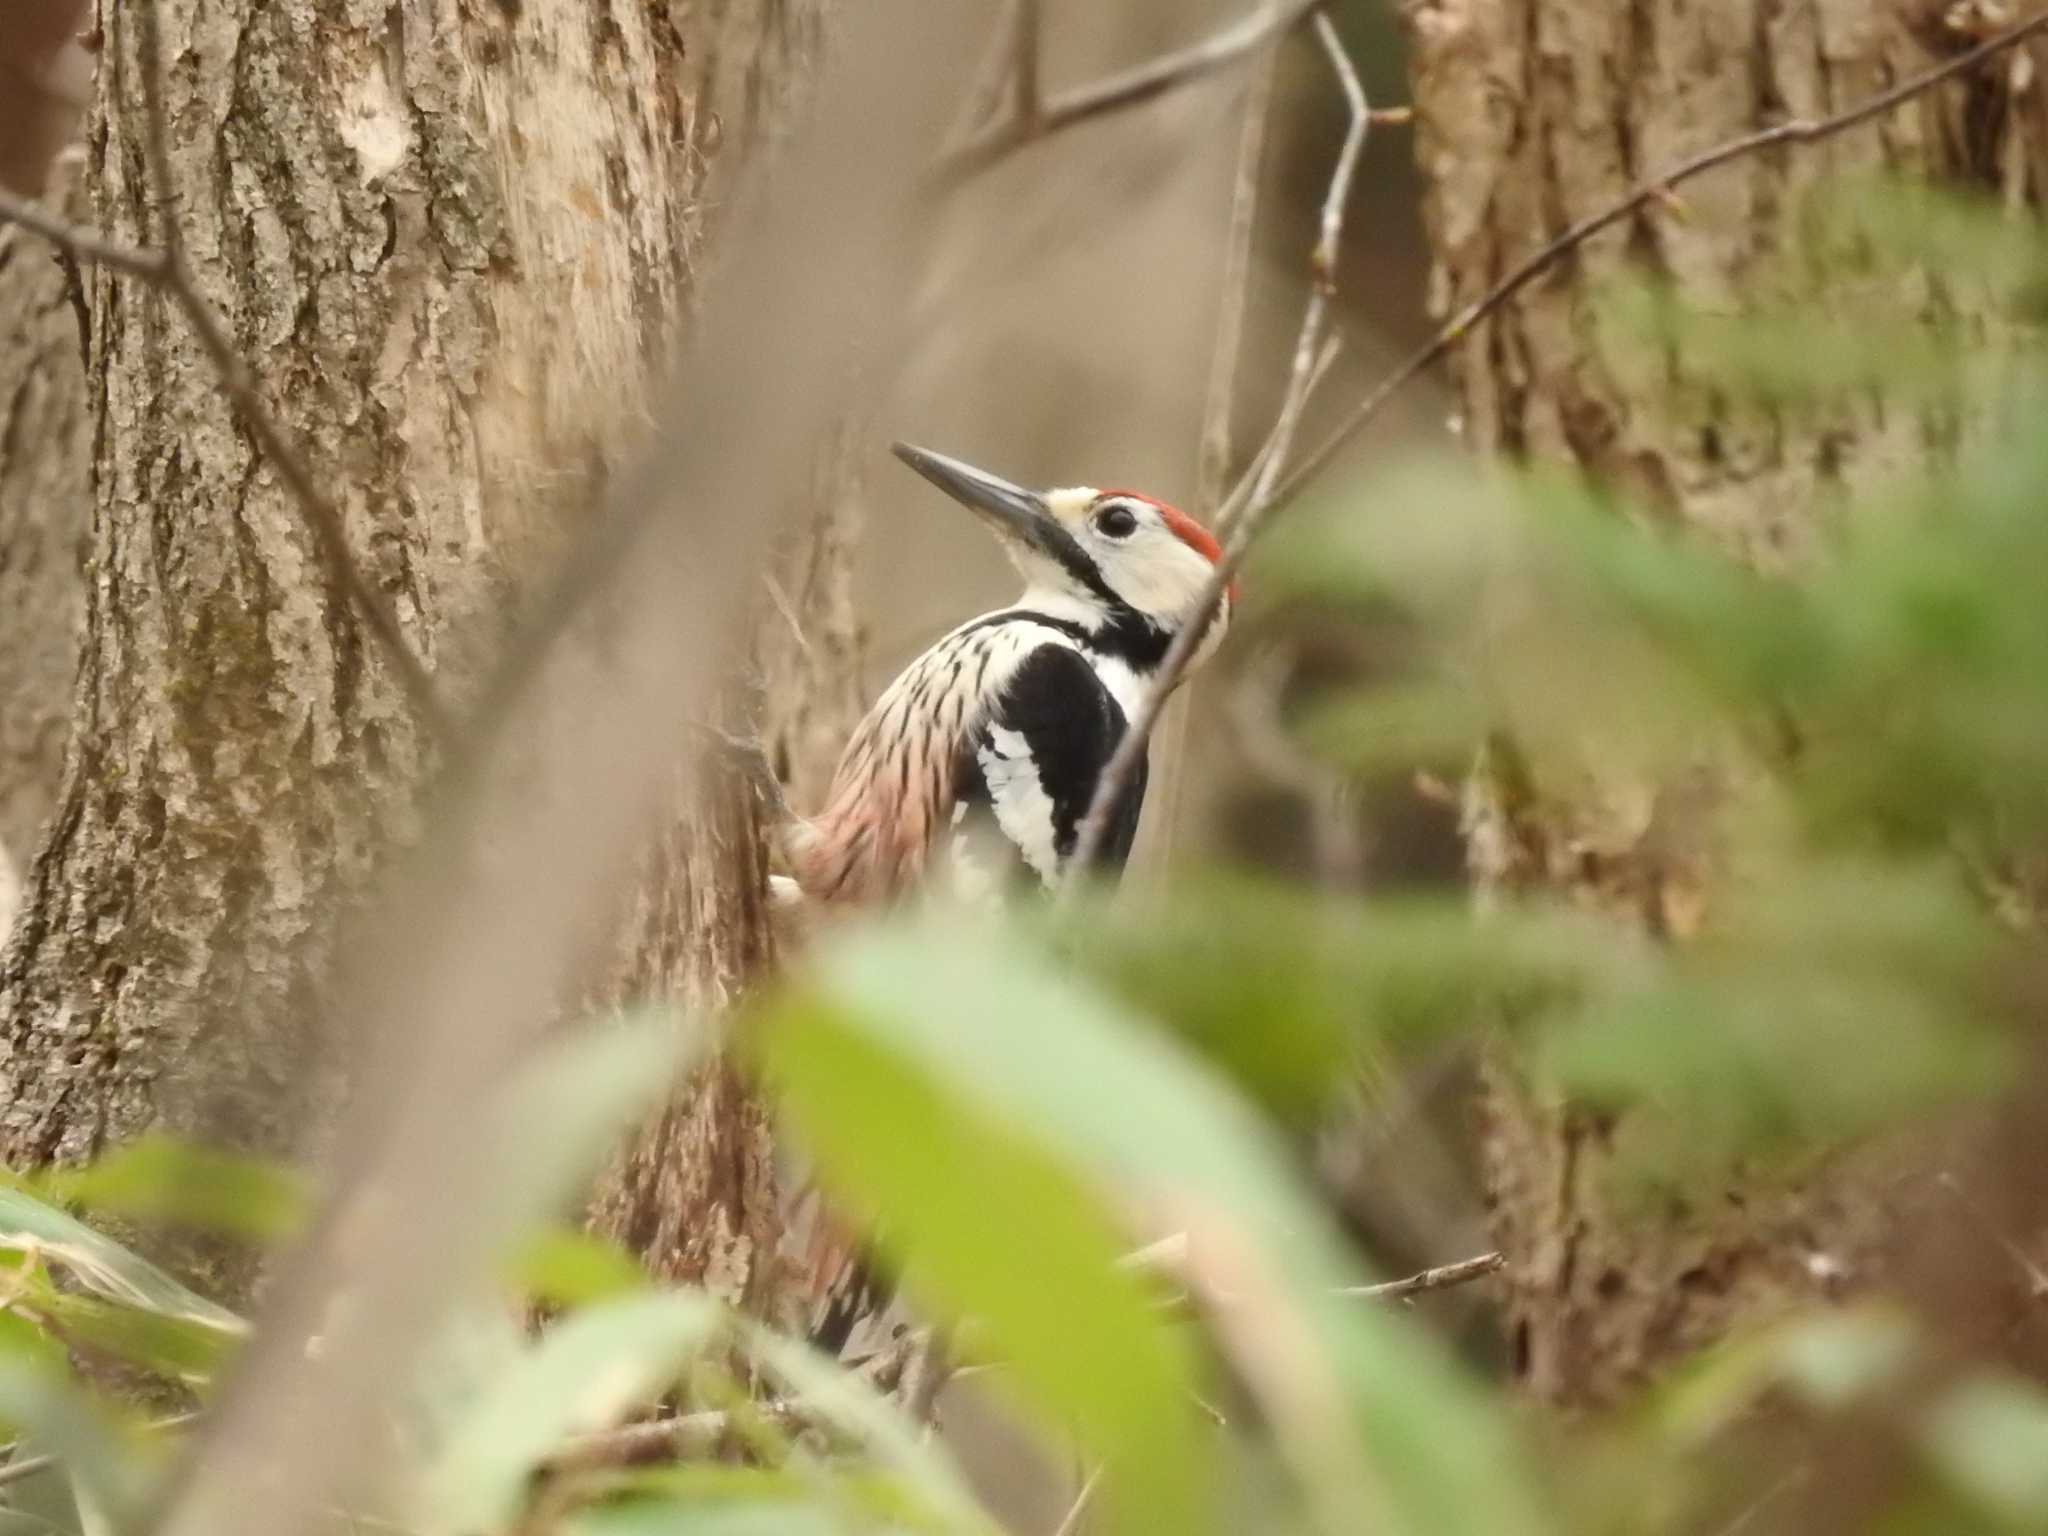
(450, 241)
(45, 443)
(1532, 114)
(696, 1192)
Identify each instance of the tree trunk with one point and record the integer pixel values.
(1532, 114)
(696, 1192)
(450, 241)
(45, 443)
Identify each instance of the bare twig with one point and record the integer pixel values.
(1219, 412)
(1747, 1515)
(1800, 130)
(27, 1467)
(1220, 409)
(1301, 380)
(1241, 494)
(1130, 87)
(1322, 268)
(81, 244)
(1797, 131)
(1442, 1278)
(999, 74)
(164, 268)
(1079, 1508)
(679, 1437)
(1170, 1256)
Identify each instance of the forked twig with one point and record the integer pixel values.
(1322, 271)
(1797, 131)
(1219, 409)
(163, 267)
(1310, 358)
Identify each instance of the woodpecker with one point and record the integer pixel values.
(977, 765)
(982, 757)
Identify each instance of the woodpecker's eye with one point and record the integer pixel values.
(1116, 521)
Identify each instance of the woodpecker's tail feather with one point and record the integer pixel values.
(846, 1292)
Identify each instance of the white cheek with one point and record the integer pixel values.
(1159, 575)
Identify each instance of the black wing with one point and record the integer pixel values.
(1028, 773)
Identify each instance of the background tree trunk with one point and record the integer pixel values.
(45, 444)
(451, 242)
(1533, 114)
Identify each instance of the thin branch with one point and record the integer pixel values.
(680, 1437)
(1219, 410)
(1241, 493)
(1442, 1278)
(1079, 1508)
(28, 1466)
(82, 244)
(996, 77)
(1131, 87)
(164, 268)
(1123, 763)
(1226, 364)
(1801, 130)
(1322, 267)
(1301, 380)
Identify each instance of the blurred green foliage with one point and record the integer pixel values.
(1014, 1108)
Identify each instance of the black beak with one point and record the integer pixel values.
(1016, 515)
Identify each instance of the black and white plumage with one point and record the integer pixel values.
(971, 775)
(975, 768)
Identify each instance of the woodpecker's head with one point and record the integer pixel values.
(1134, 568)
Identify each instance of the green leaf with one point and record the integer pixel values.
(1042, 1281)
(924, 1062)
(177, 1347)
(42, 1406)
(567, 1267)
(1989, 1436)
(159, 1178)
(1287, 990)
(102, 1265)
(835, 1396)
(797, 1497)
(1826, 1005)
(1832, 1359)
(766, 1514)
(584, 1374)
